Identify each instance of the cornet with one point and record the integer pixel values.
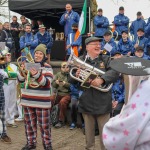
(29, 59)
(85, 72)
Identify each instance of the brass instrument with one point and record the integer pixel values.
(29, 59)
(86, 70)
(104, 52)
(2, 60)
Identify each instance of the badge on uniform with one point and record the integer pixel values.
(102, 65)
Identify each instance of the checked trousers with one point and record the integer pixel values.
(31, 117)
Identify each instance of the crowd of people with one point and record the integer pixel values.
(41, 90)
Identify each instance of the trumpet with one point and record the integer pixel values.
(104, 52)
(29, 59)
(85, 72)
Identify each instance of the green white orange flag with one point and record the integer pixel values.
(81, 26)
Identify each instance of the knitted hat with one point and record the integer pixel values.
(42, 48)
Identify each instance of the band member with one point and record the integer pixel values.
(139, 52)
(3, 135)
(10, 93)
(108, 39)
(101, 23)
(93, 103)
(36, 101)
(72, 42)
(125, 45)
(140, 40)
(121, 22)
(68, 18)
(136, 24)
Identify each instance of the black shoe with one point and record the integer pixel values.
(59, 124)
(47, 148)
(27, 147)
(96, 132)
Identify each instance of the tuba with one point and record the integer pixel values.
(86, 70)
(29, 59)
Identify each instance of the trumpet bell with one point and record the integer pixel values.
(104, 52)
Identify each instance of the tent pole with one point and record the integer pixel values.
(9, 15)
(89, 20)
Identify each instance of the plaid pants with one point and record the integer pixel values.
(31, 116)
(2, 108)
(2, 118)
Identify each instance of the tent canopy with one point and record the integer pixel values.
(40, 8)
(49, 11)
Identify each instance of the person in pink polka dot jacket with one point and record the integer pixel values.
(130, 130)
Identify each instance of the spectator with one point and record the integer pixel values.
(125, 46)
(28, 40)
(138, 23)
(121, 22)
(34, 26)
(1, 30)
(10, 76)
(108, 39)
(139, 52)
(40, 22)
(62, 85)
(68, 18)
(140, 40)
(129, 130)
(6, 37)
(101, 23)
(44, 37)
(72, 42)
(22, 26)
(15, 34)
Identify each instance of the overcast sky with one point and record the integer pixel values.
(110, 8)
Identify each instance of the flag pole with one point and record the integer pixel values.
(89, 20)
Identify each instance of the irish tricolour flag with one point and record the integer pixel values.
(81, 26)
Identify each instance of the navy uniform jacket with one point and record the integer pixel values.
(121, 22)
(125, 47)
(142, 41)
(112, 43)
(138, 23)
(70, 40)
(101, 23)
(118, 91)
(72, 18)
